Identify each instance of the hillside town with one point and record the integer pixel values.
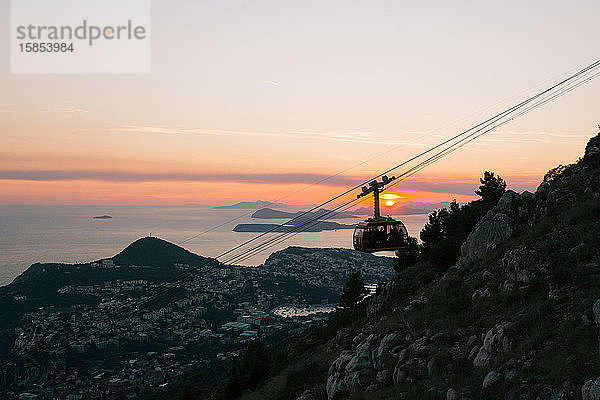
(141, 334)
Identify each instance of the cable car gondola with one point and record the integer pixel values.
(379, 233)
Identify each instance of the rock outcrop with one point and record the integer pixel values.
(496, 341)
(372, 357)
(591, 390)
(494, 228)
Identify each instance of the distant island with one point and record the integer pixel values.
(102, 217)
(316, 227)
(296, 219)
(269, 213)
(249, 205)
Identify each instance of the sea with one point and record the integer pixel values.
(69, 234)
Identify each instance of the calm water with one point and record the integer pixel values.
(30, 234)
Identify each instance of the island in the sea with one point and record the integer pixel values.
(102, 217)
(249, 205)
(269, 213)
(314, 227)
(304, 221)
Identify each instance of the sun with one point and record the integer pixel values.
(390, 199)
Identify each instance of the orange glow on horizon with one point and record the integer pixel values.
(179, 193)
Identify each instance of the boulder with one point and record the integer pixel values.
(414, 367)
(358, 338)
(495, 227)
(487, 275)
(507, 286)
(402, 355)
(384, 352)
(591, 390)
(507, 203)
(362, 355)
(335, 385)
(493, 377)
(473, 352)
(596, 311)
(353, 370)
(496, 342)
(341, 361)
(307, 395)
(481, 292)
(335, 378)
(357, 380)
(451, 394)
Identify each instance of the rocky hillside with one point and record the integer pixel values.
(517, 316)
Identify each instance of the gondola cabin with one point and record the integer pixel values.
(385, 234)
(379, 233)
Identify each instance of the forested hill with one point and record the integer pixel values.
(148, 258)
(157, 252)
(516, 314)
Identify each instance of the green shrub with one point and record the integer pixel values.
(407, 258)
(249, 370)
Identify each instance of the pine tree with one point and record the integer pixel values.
(492, 188)
(354, 290)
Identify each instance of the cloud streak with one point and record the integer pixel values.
(345, 136)
(455, 187)
(140, 177)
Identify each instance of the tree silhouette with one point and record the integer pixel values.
(354, 290)
(407, 257)
(492, 187)
(435, 229)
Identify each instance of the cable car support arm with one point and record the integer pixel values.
(376, 188)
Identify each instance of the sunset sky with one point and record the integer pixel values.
(258, 99)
